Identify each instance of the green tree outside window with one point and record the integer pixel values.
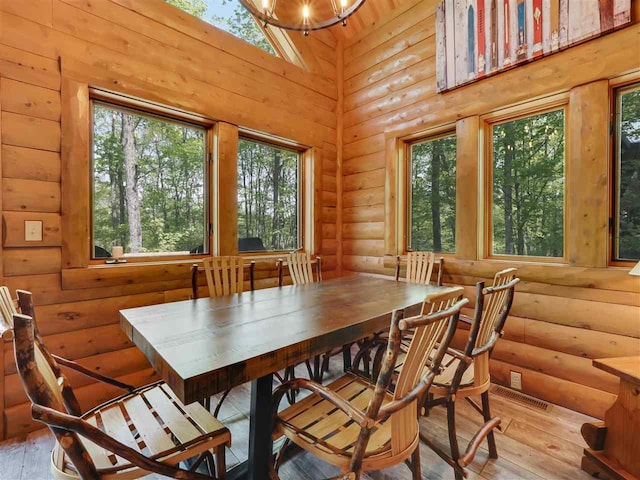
(148, 183)
(628, 174)
(432, 168)
(528, 162)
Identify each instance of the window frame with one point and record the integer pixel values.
(152, 110)
(408, 144)
(617, 88)
(533, 108)
(302, 152)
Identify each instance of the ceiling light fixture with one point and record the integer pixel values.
(342, 9)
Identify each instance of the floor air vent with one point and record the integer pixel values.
(521, 398)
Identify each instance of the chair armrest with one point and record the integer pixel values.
(476, 441)
(78, 425)
(495, 336)
(459, 355)
(416, 393)
(89, 373)
(357, 415)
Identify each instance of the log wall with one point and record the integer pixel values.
(153, 51)
(564, 315)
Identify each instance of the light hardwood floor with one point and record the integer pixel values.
(533, 444)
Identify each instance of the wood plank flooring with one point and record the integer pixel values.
(533, 444)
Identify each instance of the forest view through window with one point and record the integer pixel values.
(148, 183)
(268, 197)
(229, 15)
(432, 170)
(528, 161)
(627, 235)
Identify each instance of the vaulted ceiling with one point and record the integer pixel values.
(369, 13)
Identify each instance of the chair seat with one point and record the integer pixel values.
(317, 426)
(152, 421)
(442, 382)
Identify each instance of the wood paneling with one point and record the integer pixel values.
(563, 315)
(158, 53)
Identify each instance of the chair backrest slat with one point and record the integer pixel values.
(225, 275)
(300, 268)
(420, 267)
(496, 306)
(432, 335)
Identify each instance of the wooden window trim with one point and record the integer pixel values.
(616, 85)
(144, 108)
(408, 144)
(306, 224)
(395, 201)
(536, 107)
(76, 221)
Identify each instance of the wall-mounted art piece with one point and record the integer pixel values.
(477, 38)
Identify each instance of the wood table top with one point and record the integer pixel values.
(627, 368)
(206, 346)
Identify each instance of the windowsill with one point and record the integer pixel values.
(171, 272)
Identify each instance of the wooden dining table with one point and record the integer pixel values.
(207, 346)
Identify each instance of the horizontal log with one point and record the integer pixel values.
(372, 213)
(580, 398)
(79, 344)
(579, 341)
(364, 247)
(25, 131)
(364, 180)
(112, 364)
(556, 364)
(31, 261)
(30, 195)
(26, 99)
(30, 164)
(371, 230)
(611, 278)
(68, 317)
(14, 229)
(27, 67)
(370, 196)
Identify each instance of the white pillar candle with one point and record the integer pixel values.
(117, 252)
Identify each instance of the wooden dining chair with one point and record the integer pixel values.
(466, 373)
(225, 275)
(420, 267)
(301, 269)
(358, 425)
(146, 430)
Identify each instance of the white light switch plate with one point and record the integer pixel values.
(33, 230)
(516, 380)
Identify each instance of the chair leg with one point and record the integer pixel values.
(453, 437)
(346, 358)
(216, 412)
(221, 463)
(491, 439)
(416, 470)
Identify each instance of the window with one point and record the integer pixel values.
(149, 190)
(627, 169)
(268, 197)
(431, 194)
(230, 16)
(526, 182)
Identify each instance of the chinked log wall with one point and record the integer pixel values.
(154, 51)
(563, 316)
